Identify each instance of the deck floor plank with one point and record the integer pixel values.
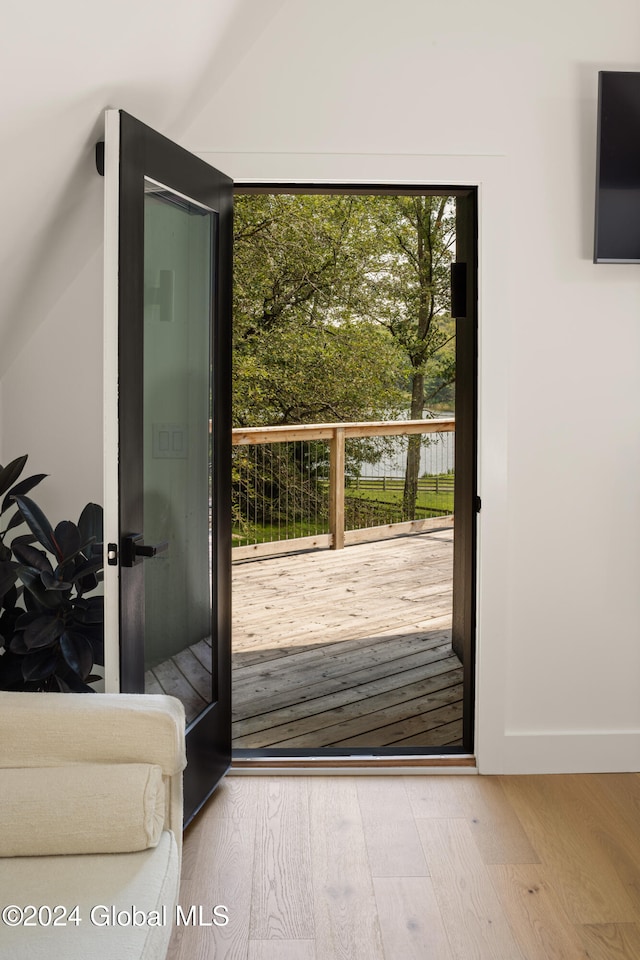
(337, 648)
(349, 647)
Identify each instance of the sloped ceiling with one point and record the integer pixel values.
(62, 64)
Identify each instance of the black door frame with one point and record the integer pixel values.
(146, 153)
(467, 502)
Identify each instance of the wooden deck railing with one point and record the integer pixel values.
(336, 434)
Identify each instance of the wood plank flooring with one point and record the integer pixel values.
(348, 648)
(424, 867)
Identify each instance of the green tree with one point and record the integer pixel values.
(341, 309)
(409, 295)
(304, 349)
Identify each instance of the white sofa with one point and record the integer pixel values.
(90, 825)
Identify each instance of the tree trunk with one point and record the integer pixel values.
(412, 470)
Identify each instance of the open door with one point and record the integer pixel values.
(168, 241)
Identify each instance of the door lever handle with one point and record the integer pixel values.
(151, 549)
(134, 551)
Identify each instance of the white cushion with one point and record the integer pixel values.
(88, 808)
(147, 880)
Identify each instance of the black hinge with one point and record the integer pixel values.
(100, 157)
(459, 290)
(478, 504)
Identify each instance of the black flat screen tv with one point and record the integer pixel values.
(618, 168)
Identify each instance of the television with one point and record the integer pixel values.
(617, 235)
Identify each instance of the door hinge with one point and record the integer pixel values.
(112, 554)
(458, 290)
(478, 504)
(100, 157)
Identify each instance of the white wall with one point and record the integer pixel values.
(504, 94)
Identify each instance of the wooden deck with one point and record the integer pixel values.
(337, 648)
(348, 648)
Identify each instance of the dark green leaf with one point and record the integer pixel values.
(10, 473)
(71, 683)
(94, 633)
(10, 598)
(40, 664)
(25, 619)
(51, 582)
(20, 489)
(31, 556)
(42, 632)
(66, 567)
(49, 599)
(11, 672)
(8, 576)
(15, 521)
(90, 610)
(67, 537)
(78, 654)
(90, 523)
(38, 524)
(87, 584)
(18, 645)
(90, 566)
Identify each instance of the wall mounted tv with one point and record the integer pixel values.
(618, 168)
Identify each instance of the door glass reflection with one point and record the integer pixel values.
(178, 295)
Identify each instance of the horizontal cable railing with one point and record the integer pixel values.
(328, 485)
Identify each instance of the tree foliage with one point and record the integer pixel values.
(305, 349)
(341, 310)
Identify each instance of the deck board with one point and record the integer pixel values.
(348, 648)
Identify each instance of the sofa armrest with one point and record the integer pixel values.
(58, 729)
(48, 729)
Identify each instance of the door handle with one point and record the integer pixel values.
(134, 551)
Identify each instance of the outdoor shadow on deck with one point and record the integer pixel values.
(399, 689)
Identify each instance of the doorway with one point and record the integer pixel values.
(292, 695)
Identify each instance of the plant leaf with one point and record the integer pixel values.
(78, 653)
(8, 576)
(10, 473)
(38, 524)
(51, 581)
(11, 672)
(68, 560)
(40, 664)
(90, 610)
(15, 521)
(71, 683)
(10, 598)
(83, 569)
(90, 523)
(49, 599)
(31, 556)
(43, 632)
(67, 537)
(17, 645)
(20, 489)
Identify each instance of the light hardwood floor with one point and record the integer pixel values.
(416, 868)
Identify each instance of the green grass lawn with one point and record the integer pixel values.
(375, 499)
(427, 499)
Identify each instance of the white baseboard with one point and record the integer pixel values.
(576, 752)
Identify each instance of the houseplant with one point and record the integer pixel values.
(51, 622)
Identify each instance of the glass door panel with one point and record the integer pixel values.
(179, 237)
